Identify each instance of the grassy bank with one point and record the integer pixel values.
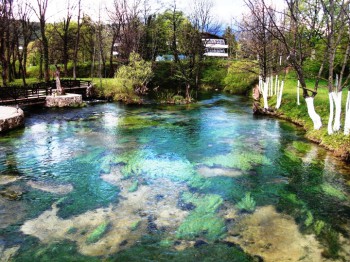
(338, 142)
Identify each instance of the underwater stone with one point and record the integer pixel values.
(11, 195)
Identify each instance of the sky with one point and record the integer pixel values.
(225, 11)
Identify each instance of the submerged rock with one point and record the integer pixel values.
(212, 172)
(7, 179)
(11, 212)
(6, 254)
(11, 194)
(60, 189)
(275, 237)
(121, 218)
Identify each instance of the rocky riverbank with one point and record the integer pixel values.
(10, 118)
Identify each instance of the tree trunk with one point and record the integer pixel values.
(316, 119)
(331, 113)
(337, 101)
(347, 115)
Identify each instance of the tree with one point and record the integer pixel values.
(231, 42)
(298, 30)
(62, 29)
(259, 43)
(40, 12)
(77, 42)
(27, 28)
(5, 18)
(336, 21)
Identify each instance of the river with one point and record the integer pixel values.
(202, 182)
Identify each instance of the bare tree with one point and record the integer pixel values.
(336, 20)
(40, 11)
(77, 42)
(5, 18)
(24, 13)
(127, 26)
(297, 30)
(62, 29)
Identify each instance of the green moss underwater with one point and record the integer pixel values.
(203, 220)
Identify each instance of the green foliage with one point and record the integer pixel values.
(97, 234)
(241, 76)
(247, 203)
(202, 221)
(299, 114)
(240, 160)
(213, 74)
(137, 73)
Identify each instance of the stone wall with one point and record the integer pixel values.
(68, 100)
(10, 118)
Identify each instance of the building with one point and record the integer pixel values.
(215, 46)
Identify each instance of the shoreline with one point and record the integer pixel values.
(341, 150)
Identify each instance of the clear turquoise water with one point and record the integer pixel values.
(168, 183)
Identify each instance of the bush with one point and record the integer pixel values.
(241, 76)
(213, 74)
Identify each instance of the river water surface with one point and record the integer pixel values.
(201, 182)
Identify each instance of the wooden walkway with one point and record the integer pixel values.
(36, 93)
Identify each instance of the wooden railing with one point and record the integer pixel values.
(37, 92)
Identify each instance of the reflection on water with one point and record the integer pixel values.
(160, 183)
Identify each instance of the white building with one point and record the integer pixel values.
(215, 46)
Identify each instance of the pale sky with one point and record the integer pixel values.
(225, 11)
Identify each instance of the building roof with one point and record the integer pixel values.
(206, 35)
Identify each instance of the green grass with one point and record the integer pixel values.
(298, 114)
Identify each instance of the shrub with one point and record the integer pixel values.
(241, 76)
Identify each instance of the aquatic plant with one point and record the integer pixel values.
(309, 219)
(134, 186)
(97, 234)
(331, 239)
(54, 252)
(247, 203)
(318, 227)
(106, 164)
(332, 191)
(145, 163)
(135, 225)
(72, 230)
(302, 147)
(243, 161)
(203, 220)
(136, 122)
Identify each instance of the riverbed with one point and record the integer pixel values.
(202, 182)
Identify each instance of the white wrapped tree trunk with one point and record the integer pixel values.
(331, 113)
(298, 91)
(347, 115)
(279, 95)
(316, 119)
(265, 93)
(337, 97)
